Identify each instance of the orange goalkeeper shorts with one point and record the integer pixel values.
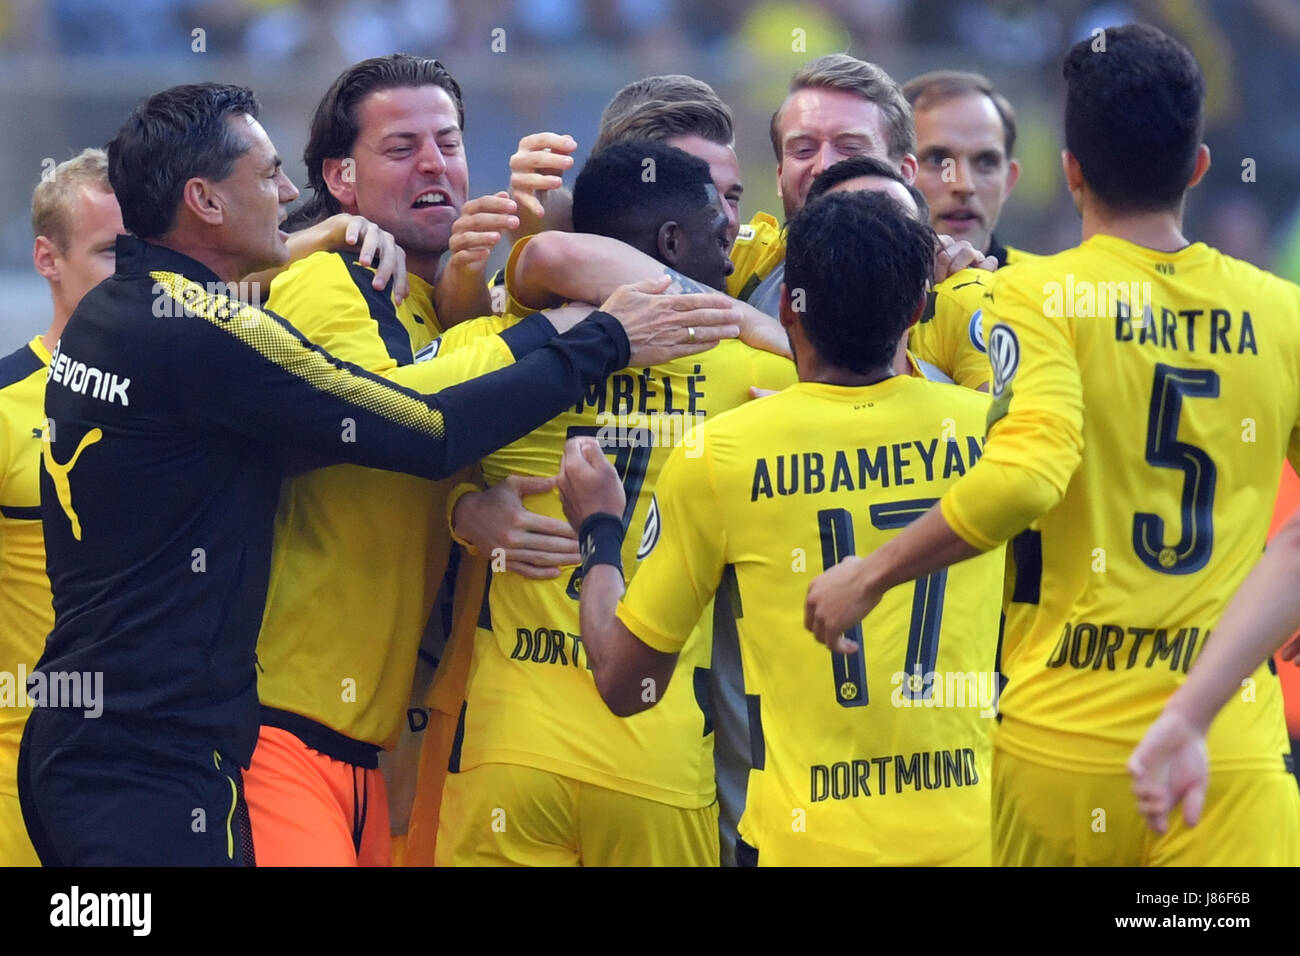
(307, 809)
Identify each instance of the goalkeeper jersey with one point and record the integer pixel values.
(359, 553)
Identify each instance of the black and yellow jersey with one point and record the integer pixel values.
(173, 413)
(531, 699)
(759, 248)
(950, 334)
(26, 614)
(876, 758)
(359, 553)
(1009, 255)
(1143, 402)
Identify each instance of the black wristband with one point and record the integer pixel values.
(601, 540)
(614, 329)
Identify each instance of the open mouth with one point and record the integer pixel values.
(431, 198)
(960, 217)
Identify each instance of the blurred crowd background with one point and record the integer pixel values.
(71, 69)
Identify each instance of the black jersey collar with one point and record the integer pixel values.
(997, 249)
(135, 257)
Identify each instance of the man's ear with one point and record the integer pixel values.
(1202, 165)
(907, 168)
(45, 256)
(778, 182)
(1073, 171)
(341, 180)
(669, 242)
(203, 202)
(918, 311)
(1013, 176)
(785, 311)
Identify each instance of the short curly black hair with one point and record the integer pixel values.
(856, 265)
(1134, 114)
(168, 139)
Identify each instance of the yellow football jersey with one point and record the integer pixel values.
(359, 553)
(26, 612)
(758, 249)
(1142, 405)
(950, 333)
(531, 699)
(876, 758)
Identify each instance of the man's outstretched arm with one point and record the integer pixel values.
(1034, 446)
(554, 267)
(630, 675)
(1170, 765)
(842, 596)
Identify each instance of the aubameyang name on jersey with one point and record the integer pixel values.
(1218, 330)
(549, 645)
(86, 379)
(643, 392)
(1086, 646)
(811, 472)
(929, 770)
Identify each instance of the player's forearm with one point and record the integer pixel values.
(927, 545)
(602, 587)
(1260, 617)
(477, 356)
(491, 411)
(565, 266)
(996, 501)
(558, 204)
(397, 429)
(760, 331)
(630, 676)
(461, 294)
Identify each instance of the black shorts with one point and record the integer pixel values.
(109, 796)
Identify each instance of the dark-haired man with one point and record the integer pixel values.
(174, 409)
(855, 763)
(868, 174)
(339, 637)
(76, 221)
(541, 773)
(1137, 427)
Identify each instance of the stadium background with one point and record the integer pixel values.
(71, 69)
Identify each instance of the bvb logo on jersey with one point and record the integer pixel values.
(848, 690)
(650, 536)
(1004, 353)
